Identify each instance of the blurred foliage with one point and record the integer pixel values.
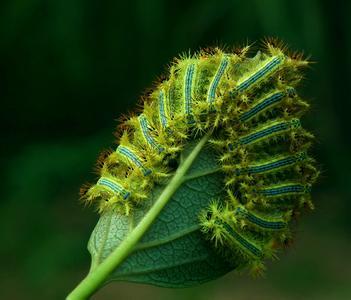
(68, 69)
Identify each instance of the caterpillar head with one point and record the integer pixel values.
(251, 108)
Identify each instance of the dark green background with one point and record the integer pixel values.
(70, 68)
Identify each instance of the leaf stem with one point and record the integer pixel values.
(95, 278)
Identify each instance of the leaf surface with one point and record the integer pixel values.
(173, 252)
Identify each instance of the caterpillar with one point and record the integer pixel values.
(251, 107)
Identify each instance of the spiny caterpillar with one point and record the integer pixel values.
(252, 110)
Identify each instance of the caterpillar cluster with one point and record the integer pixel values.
(251, 106)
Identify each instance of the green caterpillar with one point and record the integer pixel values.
(251, 106)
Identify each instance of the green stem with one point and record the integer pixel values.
(95, 278)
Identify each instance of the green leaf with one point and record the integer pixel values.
(173, 251)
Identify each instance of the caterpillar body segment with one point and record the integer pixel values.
(288, 194)
(285, 190)
(163, 109)
(128, 155)
(114, 186)
(150, 139)
(261, 222)
(260, 73)
(146, 132)
(233, 237)
(114, 191)
(211, 94)
(266, 132)
(110, 186)
(274, 165)
(189, 82)
(268, 102)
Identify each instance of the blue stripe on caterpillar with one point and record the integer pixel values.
(266, 132)
(188, 91)
(211, 94)
(268, 67)
(273, 165)
(241, 241)
(277, 223)
(114, 187)
(285, 189)
(144, 126)
(163, 109)
(132, 157)
(267, 102)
